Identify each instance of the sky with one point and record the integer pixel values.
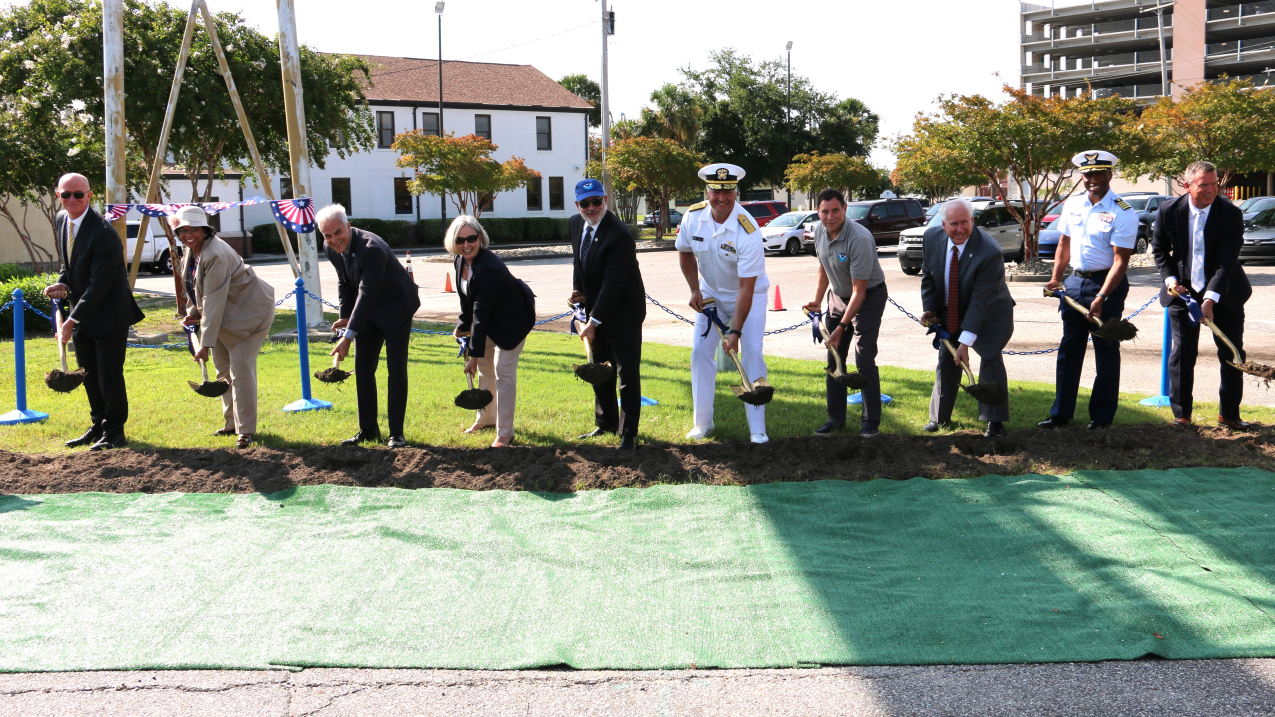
(896, 56)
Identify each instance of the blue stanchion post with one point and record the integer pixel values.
(856, 399)
(20, 414)
(303, 345)
(1163, 399)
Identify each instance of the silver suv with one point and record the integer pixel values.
(993, 218)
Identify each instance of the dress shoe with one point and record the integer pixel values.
(868, 431)
(1053, 422)
(700, 433)
(831, 427)
(759, 438)
(995, 429)
(597, 433)
(933, 426)
(89, 438)
(1182, 422)
(361, 438)
(225, 432)
(1235, 424)
(1098, 426)
(628, 443)
(108, 441)
(397, 442)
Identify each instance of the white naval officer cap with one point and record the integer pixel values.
(721, 175)
(1097, 160)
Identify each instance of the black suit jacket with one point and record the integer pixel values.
(374, 288)
(101, 300)
(984, 304)
(1223, 237)
(494, 305)
(611, 280)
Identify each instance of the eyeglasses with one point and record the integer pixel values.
(465, 240)
(183, 231)
(591, 202)
(68, 195)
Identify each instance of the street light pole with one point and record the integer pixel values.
(788, 122)
(1164, 65)
(607, 29)
(438, 9)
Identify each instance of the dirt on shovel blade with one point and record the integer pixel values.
(332, 375)
(992, 394)
(64, 381)
(1260, 370)
(595, 373)
(210, 389)
(759, 396)
(473, 399)
(854, 380)
(1117, 330)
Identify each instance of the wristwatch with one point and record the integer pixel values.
(737, 332)
(1103, 296)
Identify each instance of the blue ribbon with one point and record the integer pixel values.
(578, 314)
(938, 329)
(464, 346)
(815, 316)
(711, 312)
(190, 334)
(1193, 308)
(1062, 302)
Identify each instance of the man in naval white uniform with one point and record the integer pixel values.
(723, 259)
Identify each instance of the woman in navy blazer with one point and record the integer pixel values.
(495, 308)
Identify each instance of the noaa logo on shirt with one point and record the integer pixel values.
(841, 257)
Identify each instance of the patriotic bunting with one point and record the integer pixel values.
(295, 214)
(115, 211)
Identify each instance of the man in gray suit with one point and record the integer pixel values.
(963, 289)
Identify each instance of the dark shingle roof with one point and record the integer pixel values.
(406, 79)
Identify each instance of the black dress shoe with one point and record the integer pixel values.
(995, 429)
(397, 442)
(598, 433)
(933, 426)
(831, 427)
(109, 441)
(361, 438)
(628, 443)
(1053, 422)
(1098, 426)
(89, 438)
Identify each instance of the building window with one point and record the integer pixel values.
(402, 197)
(535, 198)
(555, 193)
(544, 134)
(285, 187)
(341, 194)
(429, 123)
(489, 203)
(385, 130)
(482, 126)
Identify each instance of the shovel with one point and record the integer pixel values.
(754, 393)
(854, 380)
(473, 399)
(991, 394)
(1111, 329)
(334, 374)
(1262, 371)
(210, 389)
(64, 380)
(591, 371)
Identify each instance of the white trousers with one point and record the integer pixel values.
(498, 369)
(704, 364)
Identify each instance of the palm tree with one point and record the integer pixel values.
(678, 115)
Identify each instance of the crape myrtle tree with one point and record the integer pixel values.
(655, 168)
(812, 173)
(461, 168)
(930, 168)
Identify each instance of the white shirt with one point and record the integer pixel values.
(1095, 230)
(1199, 218)
(725, 253)
(967, 338)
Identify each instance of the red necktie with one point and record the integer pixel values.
(953, 294)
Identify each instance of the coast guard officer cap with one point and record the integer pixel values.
(721, 175)
(1094, 161)
(586, 188)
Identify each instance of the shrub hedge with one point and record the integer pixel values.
(32, 287)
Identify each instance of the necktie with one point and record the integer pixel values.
(70, 240)
(585, 245)
(1197, 253)
(953, 294)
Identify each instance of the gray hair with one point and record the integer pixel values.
(1196, 169)
(958, 202)
(464, 220)
(332, 211)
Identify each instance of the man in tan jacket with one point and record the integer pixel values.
(233, 309)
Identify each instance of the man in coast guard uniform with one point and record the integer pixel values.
(1100, 231)
(722, 258)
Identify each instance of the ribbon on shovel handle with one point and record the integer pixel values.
(815, 318)
(578, 315)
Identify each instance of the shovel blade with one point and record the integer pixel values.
(64, 381)
(209, 389)
(595, 373)
(991, 394)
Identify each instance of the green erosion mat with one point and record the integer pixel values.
(1098, 565)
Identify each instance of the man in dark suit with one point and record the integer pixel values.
(963, 289)
(608, 283)
(1196, 245)
(102, 309)
(378, 299)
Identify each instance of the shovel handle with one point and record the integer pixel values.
(203, 367)
(836, 355)
(588, 351)
(57, 320)
(1075, 305)
(470, 378)
(964, 366)
(1235, 353)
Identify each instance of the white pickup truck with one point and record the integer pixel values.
(155, 256)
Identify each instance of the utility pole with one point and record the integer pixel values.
(1164, 66)
(438, 10)
(113, 95)
(788, 122)
(608, 29)
(298, 151)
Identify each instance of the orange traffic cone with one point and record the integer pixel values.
(779, 302)
(447, 288)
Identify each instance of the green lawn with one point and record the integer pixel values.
(553, 406)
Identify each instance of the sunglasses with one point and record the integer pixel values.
(465, 240)
(68, 195)
(182, 231)
(591, 202)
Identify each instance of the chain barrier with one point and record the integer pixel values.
(679, 317)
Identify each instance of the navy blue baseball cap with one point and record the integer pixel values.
(586, 188)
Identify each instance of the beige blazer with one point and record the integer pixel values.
(231, 301)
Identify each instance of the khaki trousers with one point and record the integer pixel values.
(238, 364)
(500, 367)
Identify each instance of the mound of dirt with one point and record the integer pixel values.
(959, 455)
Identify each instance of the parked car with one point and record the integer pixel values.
(1254, 205)
(674, 218)
(1051, 213)
(764, 211)
(1147, 206)
(886, 218)
(1259, 236)
(155, 256)
(910, 240)
(787, 232)
(934, 209)
(1047, 242)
